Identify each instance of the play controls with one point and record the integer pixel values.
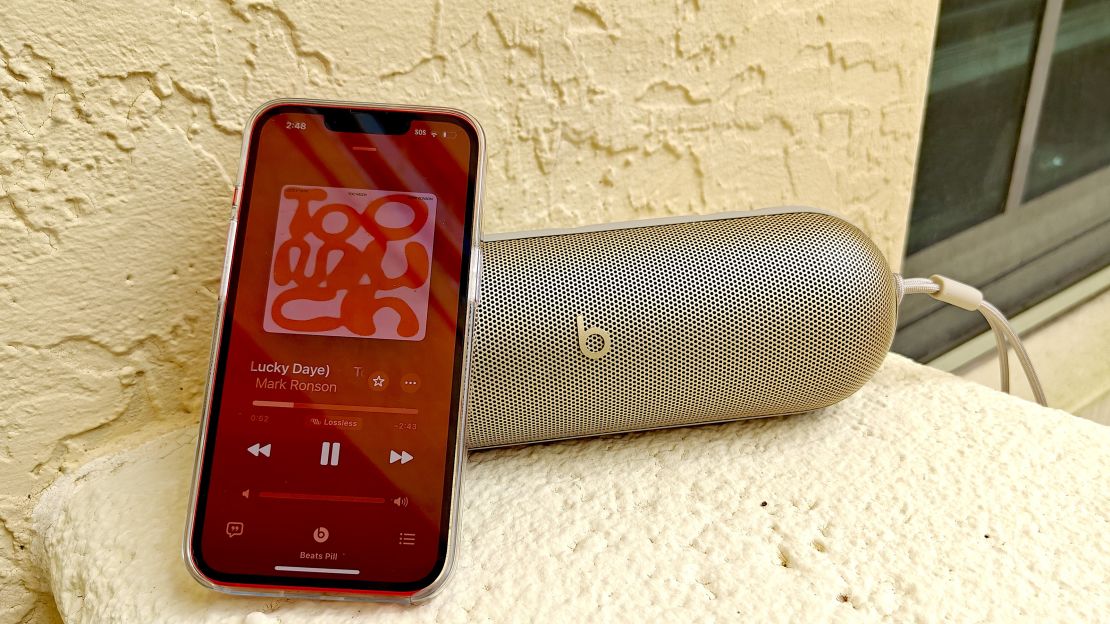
(329, 454)
(258, 448)
(404, 457)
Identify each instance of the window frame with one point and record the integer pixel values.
(1032, 250)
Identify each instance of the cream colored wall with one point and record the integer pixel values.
(119, 138)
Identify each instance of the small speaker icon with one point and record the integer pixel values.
(401, 501)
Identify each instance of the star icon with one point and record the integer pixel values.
(378, 381)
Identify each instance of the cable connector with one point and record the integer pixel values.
(969, 298)
(956, 293)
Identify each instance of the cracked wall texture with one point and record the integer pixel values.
(120, 124)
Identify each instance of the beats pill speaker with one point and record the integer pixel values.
(671, 322)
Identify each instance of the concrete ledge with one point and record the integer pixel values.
(922, 498)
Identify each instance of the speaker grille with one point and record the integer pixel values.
(709, 320)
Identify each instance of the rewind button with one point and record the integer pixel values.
(257, 449)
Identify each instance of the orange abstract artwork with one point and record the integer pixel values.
(351, 262)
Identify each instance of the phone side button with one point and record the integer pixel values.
(478, 276)
(228, 251)
(235, 194)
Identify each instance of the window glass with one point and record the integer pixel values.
(977, 91)
(1073, 136)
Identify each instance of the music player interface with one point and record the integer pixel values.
(333, 411)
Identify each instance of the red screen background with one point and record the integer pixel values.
(384, 519)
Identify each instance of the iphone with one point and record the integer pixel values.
(330, 452)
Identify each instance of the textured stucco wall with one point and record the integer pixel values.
(119, 136)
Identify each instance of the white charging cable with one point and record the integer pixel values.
(967, 297)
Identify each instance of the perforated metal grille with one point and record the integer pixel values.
(709, 321)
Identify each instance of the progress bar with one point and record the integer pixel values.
(337, 498)
(335, 407)
(320, 570)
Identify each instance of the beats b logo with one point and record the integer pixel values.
(584, 339)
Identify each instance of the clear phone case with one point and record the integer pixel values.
(460, 451)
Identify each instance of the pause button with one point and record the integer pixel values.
(329, 454)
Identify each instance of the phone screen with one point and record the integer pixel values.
(331, 441)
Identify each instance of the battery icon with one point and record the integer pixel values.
(450, 134)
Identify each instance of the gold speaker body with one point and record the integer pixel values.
(673, 322)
